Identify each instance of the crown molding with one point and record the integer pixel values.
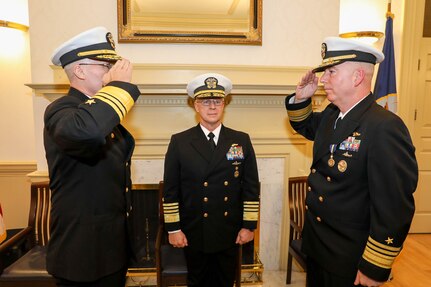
(18, 168)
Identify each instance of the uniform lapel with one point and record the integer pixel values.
(200, 143)
(346, 128)
(129, 140)
(321, 147)
(221, 149)
(353, 119)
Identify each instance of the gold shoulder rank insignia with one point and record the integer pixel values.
(356, 134)
(90, 102)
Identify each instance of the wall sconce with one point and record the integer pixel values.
(363, 20)
(14, 14)
(14, 25)
(366, 36)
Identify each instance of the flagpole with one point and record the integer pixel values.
(389, 13)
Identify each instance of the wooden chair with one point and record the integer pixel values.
(298, 187)
(30, 269)
(170, 262)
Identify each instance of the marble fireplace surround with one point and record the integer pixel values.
(256, 106)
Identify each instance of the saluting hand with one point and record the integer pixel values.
(178, 239)
(121, 71)
(244, 235)
(306, 87)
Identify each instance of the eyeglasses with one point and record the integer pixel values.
(207, 102)
(106, 65)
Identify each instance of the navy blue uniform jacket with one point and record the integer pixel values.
(359, 210)
(88, 154)
(209, 195)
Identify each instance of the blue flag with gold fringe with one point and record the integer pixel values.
(385, 89)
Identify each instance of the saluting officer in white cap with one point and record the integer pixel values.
(211, 188)
(89, 153)
(358, 210)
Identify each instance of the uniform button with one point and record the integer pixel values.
(319, 219)
(313, 170)
(225, 213)
(306, 207)
(328, 178)
(309, 188)
(205, 184)
(131, 207)
(112, 135)
(127, 189)
(205, 214)
(321, 198)
(225, 198)
(127, 164)
(205, 199)
(226, 183)
(127, 214)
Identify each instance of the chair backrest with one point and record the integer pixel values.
(39, 215)
(298, 187)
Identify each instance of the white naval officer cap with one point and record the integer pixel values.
(336, 50)
(211, 85)
(96, 43)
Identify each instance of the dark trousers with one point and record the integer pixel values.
(319, 277)
(117, 279)
(211, 269)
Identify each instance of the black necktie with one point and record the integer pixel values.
(211, 141)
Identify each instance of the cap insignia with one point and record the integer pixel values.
(211, 82)
(110, 40)
(323, 50)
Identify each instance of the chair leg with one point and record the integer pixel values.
(289, 269)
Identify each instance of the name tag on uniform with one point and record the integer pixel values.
(235, 152)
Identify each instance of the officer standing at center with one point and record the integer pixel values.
(211, 191)
(360, 202)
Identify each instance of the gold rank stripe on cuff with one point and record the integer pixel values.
(380, 254)
(171, 212)
(119, 99)
(251, 210)
(301, 114)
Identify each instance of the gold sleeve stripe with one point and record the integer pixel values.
(381, 251)
(170, 204)
(300, 115)
(171, 218)
(380, 254)
(377, 259)
(251, 202)
(377, 253)
(383, 246)
(171, 212)
(250, 216)
(113, 106)
(119, 99)
(251, 211)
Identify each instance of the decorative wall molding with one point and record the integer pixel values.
(18, 168)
